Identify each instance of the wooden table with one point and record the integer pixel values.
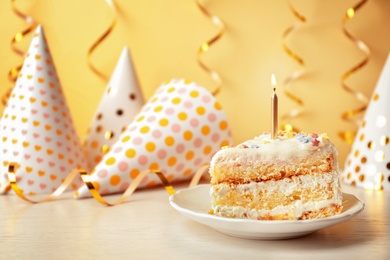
(147, 227)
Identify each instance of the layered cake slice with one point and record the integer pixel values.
(294, 176)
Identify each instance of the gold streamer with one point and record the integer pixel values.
(206, 45)
(94, 192)
(18, 37)
(87, 181)
(91, 50)
(198, 175)
(349, 136)
(130, 190)
(286, 118)
(12, 180)
(6, 96)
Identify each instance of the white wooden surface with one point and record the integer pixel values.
(146, 227)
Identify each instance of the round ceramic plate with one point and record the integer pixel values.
(195, 203)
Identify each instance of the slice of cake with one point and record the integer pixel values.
(294, 176)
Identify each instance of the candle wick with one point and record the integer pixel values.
(274, 89)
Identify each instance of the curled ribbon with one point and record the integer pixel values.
(349, 136)
(91, 50)
(12, 180)
(206, 45)
(198, 175)
(6, 96)
(286, 125)
(87, 181)
(86, 178)
(19, 36)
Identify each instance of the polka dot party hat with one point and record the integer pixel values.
(37, 131)
(177, 130)
(121, 101)
(368, 164)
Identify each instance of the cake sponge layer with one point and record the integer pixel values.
(297, 197)
(245, 167)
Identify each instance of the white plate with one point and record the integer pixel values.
(195, 203)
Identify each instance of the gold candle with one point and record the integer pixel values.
(274, 110)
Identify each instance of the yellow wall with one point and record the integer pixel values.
(164, 35)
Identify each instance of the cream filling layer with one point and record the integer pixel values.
(285, 186)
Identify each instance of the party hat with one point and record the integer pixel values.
(368, 164)
(177, 131)
(121, 101)
(36, 129)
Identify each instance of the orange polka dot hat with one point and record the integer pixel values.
(37, 131)
(177, 131)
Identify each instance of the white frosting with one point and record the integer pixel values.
(282, 149)
(286, 186)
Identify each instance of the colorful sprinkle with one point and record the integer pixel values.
(303, 138)
(315, 142)
(325, 136)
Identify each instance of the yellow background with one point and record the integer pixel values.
(164, 36)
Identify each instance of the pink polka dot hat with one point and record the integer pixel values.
(177, 131)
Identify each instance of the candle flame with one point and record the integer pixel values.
(273, 80)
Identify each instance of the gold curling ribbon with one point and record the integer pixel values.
(12, 180)
(13, 73)
(349, 136)
(6, 96)
(130, 190)
(206, 45)
(286, 125)
(87, 181)
(198, 175)
(91, 50)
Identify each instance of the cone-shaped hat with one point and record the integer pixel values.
(368, 164)
(121, 101)
(36, 129)
(177, 130)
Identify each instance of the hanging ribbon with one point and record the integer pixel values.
(349, 136)
(87, 181)
(107, 32)
(286, 118)
(18, 37)
(206, 45)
